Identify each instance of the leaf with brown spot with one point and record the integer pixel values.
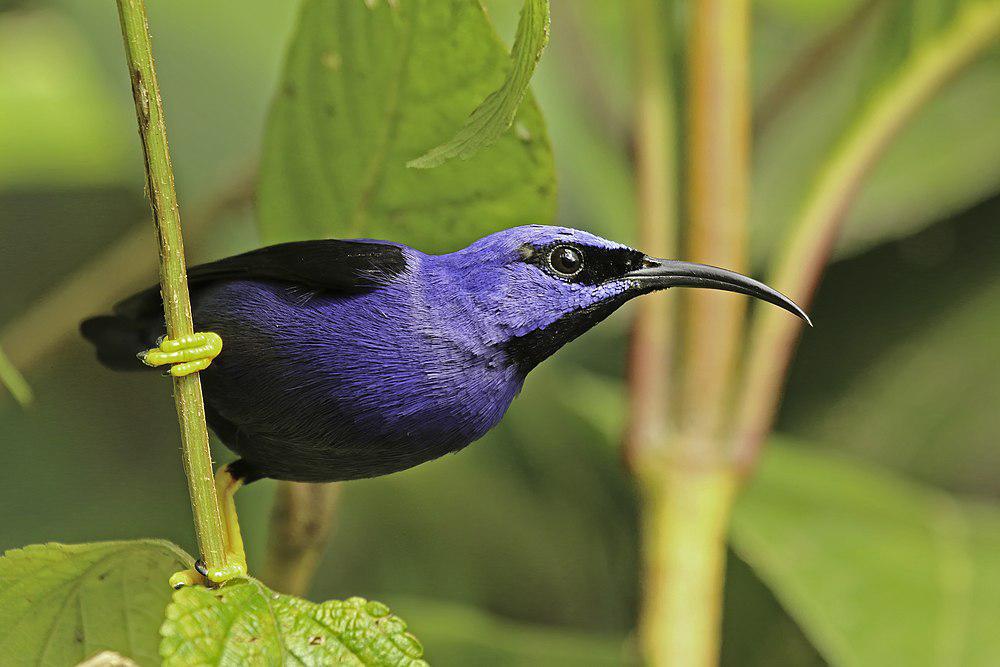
(254, 625)
(115, 593)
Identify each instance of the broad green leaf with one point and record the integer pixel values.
(460, 635)
(756, 630)
(62, 603)
(369, 85)
(940, 161)
(920, 394)
(245, 623)
(876, 570)
(12, 379)
(57, 118)
(495, 115)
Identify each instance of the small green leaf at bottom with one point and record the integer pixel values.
(63, 603)
(246, 623)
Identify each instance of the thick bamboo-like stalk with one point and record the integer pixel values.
(687, 493)
(653, 330)
(173, 277)
(718, 122)
(685, 525)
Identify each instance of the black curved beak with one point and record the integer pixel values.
(664, 273)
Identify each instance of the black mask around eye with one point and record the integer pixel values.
(583, 264)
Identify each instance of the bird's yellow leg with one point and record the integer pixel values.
(187, 354)
(226, 486)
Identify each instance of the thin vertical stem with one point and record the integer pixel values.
(173, 277)
(718, 121)
(650, 354)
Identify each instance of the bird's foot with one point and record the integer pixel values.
(187, 354)
(226, 485)
(200, 575)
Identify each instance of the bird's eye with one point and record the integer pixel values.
(566, 260)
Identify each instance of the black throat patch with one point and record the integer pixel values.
(531, 349)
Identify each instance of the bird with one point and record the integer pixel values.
(330, 360)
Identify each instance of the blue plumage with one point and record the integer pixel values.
(349, 359)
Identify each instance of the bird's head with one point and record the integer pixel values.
(541, 286)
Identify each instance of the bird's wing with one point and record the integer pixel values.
(328, 265)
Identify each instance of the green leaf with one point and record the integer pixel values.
(756, 630)
(367, 86)
(876, 570)
(496, 113)
(918, 396)
(61, 603)
(245, 623)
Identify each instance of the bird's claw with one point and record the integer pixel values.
(200, 575)
(187, 354)
(184, 578)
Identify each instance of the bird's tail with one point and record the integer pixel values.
(119, 339)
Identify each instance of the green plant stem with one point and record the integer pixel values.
(685, 523)
(173, 277)
(687, 494)
(301, 520)
(718, 122)
(798, 268)
(652, 343)
(11, 378)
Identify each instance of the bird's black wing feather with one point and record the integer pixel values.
(327, 265)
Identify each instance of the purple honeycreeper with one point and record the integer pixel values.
(352, 359)
(334, 360)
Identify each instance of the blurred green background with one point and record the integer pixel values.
(523, 548)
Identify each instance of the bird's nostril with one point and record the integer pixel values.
(647, 263)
